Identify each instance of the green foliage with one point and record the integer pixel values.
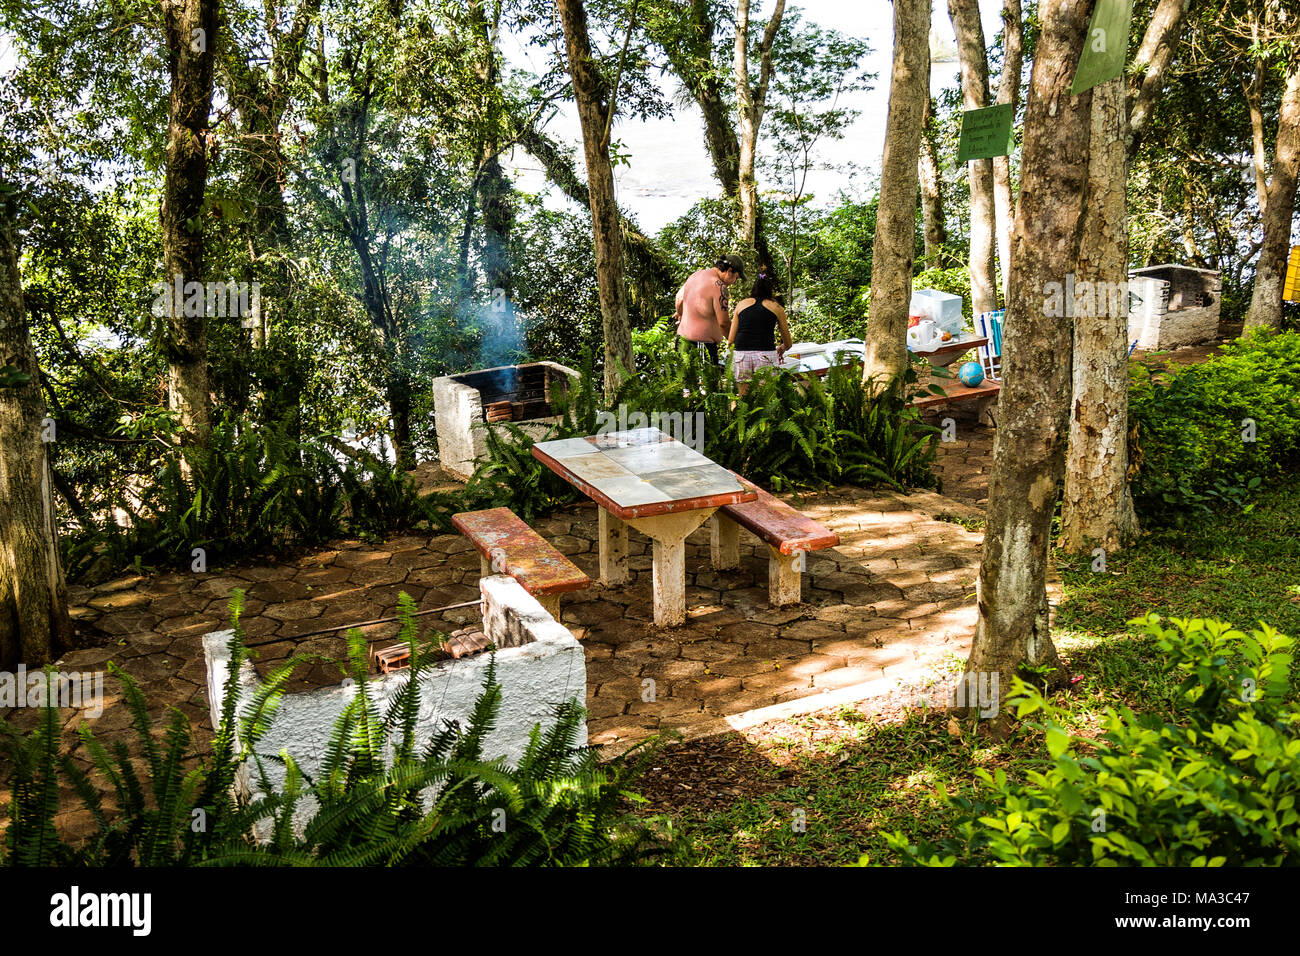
(955, 281)
(784, 432)
(1215, 786)
(250, 488)
(1192, 428)
(787, 431)
(10, 377)
(371, 803)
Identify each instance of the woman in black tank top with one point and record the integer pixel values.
(753, 330)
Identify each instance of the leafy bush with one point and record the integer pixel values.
(784, 432)
(1216, 787)
(251, 488)
(371, 807)
(1192, 427)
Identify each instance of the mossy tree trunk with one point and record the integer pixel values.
(894, 250)
(1012, 632)
(34, 623)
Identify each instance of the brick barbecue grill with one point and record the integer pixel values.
(465, 405)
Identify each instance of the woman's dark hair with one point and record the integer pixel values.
(763, 288)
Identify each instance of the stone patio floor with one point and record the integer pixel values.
(894, 597)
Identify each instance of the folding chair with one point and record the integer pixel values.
(989, 325)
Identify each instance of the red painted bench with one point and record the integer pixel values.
(788, 535)
(508, 546)
(985, 395)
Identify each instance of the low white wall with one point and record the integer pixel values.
(539, 665)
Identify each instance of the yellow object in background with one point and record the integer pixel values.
(1291, 288)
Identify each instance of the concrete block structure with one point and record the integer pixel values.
(539, 665)
(466, 406)
(1173, 305)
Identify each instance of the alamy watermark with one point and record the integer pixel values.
(192, 299)
(685, 427)
(76, 689)
(977, 691)
(1085, 299)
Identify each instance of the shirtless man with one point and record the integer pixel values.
(703, 314)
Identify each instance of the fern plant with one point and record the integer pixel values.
(378, 798)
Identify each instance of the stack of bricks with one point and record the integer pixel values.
(464, 642)
(461, 643)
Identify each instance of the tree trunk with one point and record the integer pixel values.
(1028, 453)
(1098, 506)
(1097, 510)
(1008, 92)
(975, 95)
(589, 90)
(262, 98)
(34, 623)
(494, 188)
(932, 215)
(751, 103)
(895, 241)
(1270, 269)
(652, 268)
(191, 31)
(1150, 66)
(691, 59)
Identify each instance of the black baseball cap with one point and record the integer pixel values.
(732, 264)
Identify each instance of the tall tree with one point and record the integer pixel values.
(1276, 200)
(1029, 450)
(190, 28)
(595, 112)
(260, 85)
(34, 623)
(751, 103)
(1013, 50)
(932, 211)
(1097, 510)
(894, 249)
(975, 95)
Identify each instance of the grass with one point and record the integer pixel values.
(850, 777)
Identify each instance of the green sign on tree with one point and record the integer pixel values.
(986, 133)
(1106, 46)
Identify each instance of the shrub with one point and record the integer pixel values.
(1191, 427)
(250, 489)
(784, 432)
(1216, 787)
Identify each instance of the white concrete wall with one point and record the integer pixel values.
(1154, 326)
(458, 418)
(539, 665)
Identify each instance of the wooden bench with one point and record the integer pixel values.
(508, 546)
(985, 395)
(788, 535)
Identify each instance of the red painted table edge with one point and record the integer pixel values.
(642, 511)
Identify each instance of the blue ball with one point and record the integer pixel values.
(971, 374)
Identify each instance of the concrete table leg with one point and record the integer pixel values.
(551, 602)
(613, 550)
(669, 535)
(724, 542)
(986, 411)
(784, 577)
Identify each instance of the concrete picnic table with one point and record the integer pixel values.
(650, 481)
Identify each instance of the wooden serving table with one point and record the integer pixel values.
(644, 479)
